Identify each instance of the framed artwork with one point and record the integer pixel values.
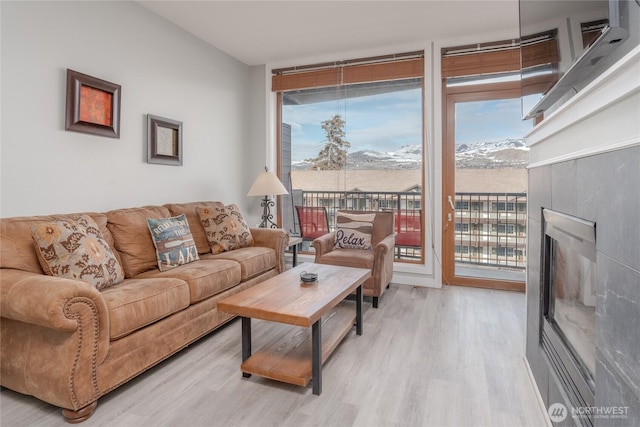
(164, 141)
(93, 105)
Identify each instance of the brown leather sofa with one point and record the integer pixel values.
(67, 343)
(379, 260)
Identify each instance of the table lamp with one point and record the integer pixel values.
(267, 184)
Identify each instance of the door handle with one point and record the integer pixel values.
(451, 203)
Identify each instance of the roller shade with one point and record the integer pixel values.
(392, 67)
(481, 63)
(544, 52)
(500, 57)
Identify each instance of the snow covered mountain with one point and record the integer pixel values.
(508, 153)
(485, 155)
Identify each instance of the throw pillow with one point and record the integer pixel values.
(75, 249)
(353, 231)
(225, 227)
(173, 241)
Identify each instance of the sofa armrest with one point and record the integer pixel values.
(55, 333)
(46, 300)
(274, 238)
(324, 244)
(385, 246)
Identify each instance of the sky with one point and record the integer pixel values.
(380, 122)
(488, 121)
(386, 122)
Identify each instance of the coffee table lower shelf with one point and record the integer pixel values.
(288, 358)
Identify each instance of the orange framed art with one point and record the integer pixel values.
(93, 105)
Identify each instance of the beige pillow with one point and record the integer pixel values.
(353, 231)
(225, 227)
(75, 249)
(173, 241)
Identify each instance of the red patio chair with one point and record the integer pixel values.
(409, 229)
(313, 221)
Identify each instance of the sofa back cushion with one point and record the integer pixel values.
(17, 248)
(190, 210)
(132, 237)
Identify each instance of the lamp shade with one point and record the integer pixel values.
(267, 184)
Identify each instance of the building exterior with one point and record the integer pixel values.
(491, 207)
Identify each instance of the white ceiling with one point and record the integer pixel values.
(268, 32)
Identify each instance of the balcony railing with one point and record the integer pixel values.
(404, 204)
(490, 228)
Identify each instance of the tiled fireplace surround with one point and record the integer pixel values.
(586, 162)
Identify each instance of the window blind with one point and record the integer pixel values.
(382, 68)
(499, 57)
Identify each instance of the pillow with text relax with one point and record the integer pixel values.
(353, 231)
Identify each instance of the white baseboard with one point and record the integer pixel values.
(534, 385)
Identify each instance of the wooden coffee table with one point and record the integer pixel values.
(320, 306)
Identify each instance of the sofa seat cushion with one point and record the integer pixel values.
(348, 258)
(206, 277)
(253, 261)
(136, 303)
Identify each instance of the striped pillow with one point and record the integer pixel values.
(354, 231)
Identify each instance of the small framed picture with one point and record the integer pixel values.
(164, 141)
(93, 105)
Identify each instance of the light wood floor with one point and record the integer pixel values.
(428, 357)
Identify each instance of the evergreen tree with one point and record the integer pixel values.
(333, 155)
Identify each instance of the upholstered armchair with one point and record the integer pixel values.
(379, 258)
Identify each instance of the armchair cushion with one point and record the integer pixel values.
(349, 258)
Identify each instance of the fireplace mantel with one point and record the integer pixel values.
(598, 117)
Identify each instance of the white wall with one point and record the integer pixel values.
(162, 70)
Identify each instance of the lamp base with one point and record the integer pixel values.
(267, 216)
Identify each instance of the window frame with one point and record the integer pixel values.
(409, 65)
